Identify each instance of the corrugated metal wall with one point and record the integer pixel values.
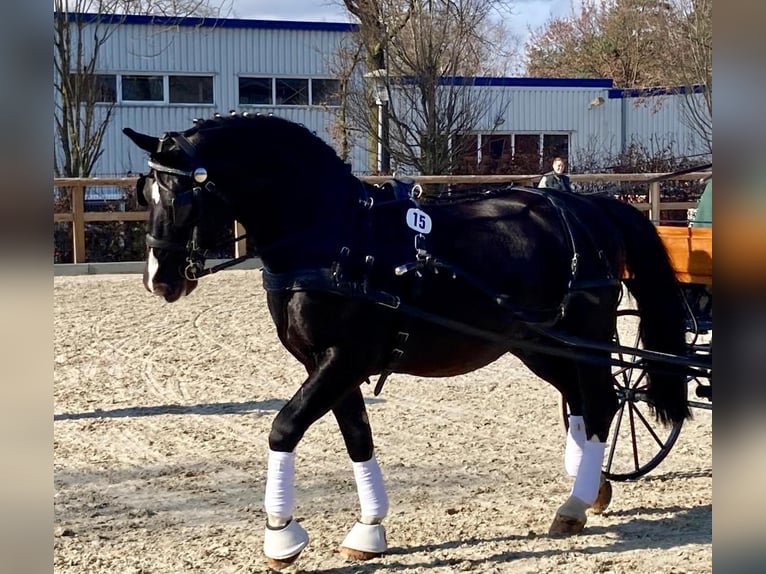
(224, 52)
(659, 122)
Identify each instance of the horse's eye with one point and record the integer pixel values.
(143, 183)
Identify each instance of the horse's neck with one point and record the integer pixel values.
(301, 224)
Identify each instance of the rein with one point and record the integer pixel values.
(327, 281)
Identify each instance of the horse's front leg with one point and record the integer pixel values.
(367, 538)
(284, 538)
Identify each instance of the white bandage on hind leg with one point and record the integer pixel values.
(279, 499)
(575, 442)
(372, 493)
(588, 479)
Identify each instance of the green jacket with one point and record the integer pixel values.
(704, 216)
(553, 181)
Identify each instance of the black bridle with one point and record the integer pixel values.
(186, 210)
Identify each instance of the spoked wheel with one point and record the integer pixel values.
(637, 442)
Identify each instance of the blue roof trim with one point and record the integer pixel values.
(648, 92)
(521, 82)
(210, 22)
(539, 82)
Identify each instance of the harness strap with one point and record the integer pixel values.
(575, 348)
(576, 286)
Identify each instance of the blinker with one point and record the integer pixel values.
(200, 175)
(184, 208)
(143, 190)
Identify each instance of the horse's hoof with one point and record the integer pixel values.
(364, 542)
(275, 564)
(566, 526)
(570, 518)
(604, 497)
(283, 546)
(358, 555)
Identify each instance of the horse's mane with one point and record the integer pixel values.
(273, 129)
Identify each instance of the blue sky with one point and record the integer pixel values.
(526, 13)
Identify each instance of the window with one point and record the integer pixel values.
(495, 146)
(263, 91)
(325, 92)
(95, 87)
(292, 92)
(142, 89)
(554, 145)
(255, 91)
(503, 153)
(464, 155)
(190, 89)
(526, 152)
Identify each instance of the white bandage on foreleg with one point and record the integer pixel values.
(589, 474)
(373, 499)
(575, 442)
(279, 500)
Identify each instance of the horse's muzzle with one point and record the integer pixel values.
(172, 293)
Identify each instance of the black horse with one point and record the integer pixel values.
(367, 280)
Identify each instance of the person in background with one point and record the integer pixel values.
(556, 179)
(704, 214)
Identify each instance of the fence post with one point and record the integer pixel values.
(78, 223)
(240, 247)
(654, 202)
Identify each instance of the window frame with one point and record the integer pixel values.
(306, 89)
(308, 102)
(211, 77)
(165, 77)
(485, 139)
(99, 77)
(270, 79)
(160, 101)
(336, 96)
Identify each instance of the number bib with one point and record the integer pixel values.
(418, 220)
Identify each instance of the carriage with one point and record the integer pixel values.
(637, 445)
(364, 281)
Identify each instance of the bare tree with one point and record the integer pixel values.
(693, 45)
(420, 55)
(379, 22)
(82, 109)
(344, 64)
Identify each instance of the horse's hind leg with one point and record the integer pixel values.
(574, 449)
(367, 538)
(599, 405)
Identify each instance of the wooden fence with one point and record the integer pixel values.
(78, 217)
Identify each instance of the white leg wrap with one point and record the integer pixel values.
(279, 499)
(589, 474)
(372, 493)
(575, 443)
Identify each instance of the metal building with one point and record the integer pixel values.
(163, 72)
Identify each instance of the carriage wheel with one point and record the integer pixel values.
(637, 442)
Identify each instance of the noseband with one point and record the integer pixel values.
(186, 210)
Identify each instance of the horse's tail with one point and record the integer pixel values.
(652, 281)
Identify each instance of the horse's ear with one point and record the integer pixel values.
(146, 143)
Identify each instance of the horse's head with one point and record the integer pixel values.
(178, 192)
(275, 177)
